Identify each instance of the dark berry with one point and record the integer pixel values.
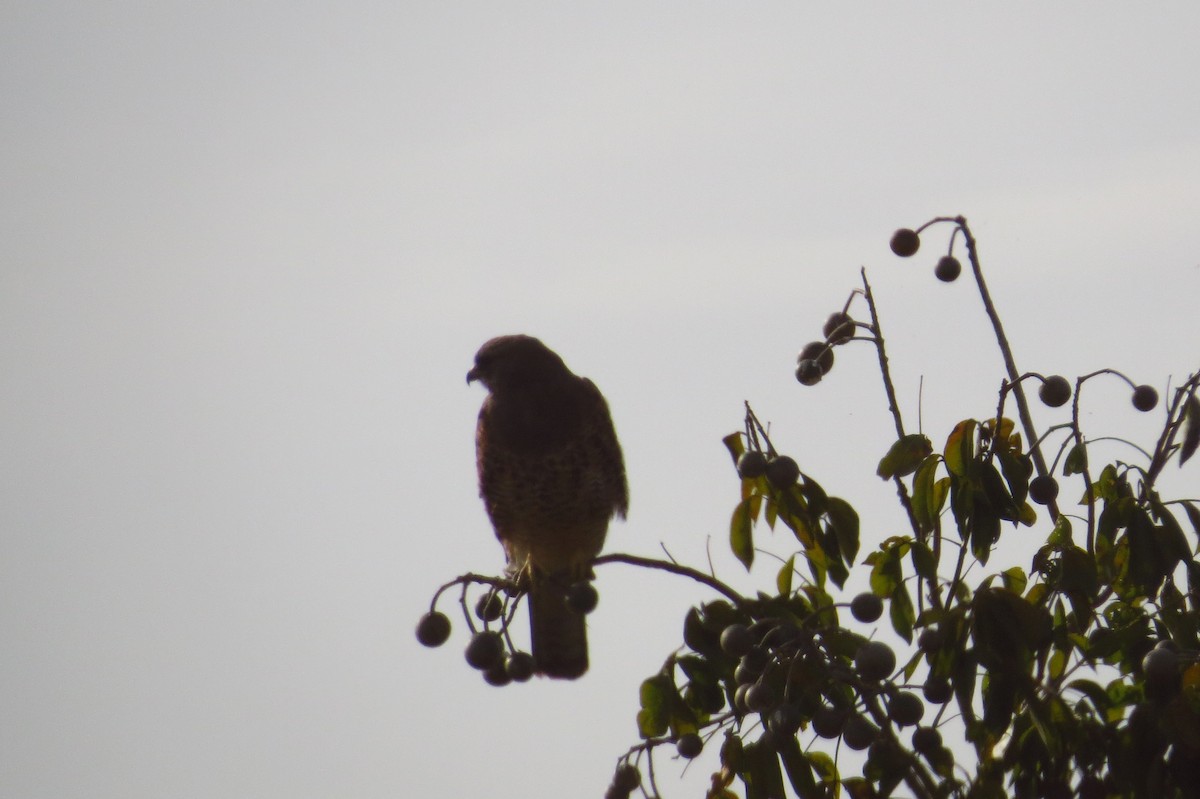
(782, 471)
(433, 629)
(785, 720)
(858, 733)
(497, 675)
(519, 666)
(582, 597)
(485, 650)
(1161, 667)
(866, 607)
(627, 778)
(827, 722)
(689, 745)
(875, 661)
(930, 639)
(751, 464)
(761, 698)
(809, 372)
(736, 640)
(937, 690)
(926, 739)
(817, 351)
(1043, 489)
(906, 709)
(489, 607)
(948, 269)
(839, 328)
(905, 242)
(1145, 398)
(1055, 391)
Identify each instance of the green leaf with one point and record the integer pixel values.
(1076, 460)
(733, 443)
(900, 610)
(923, 493)
(783, 580)
(904, 456)
(761, 773)
(741, 532)
(844, 520)
(924, 561)
(1193, 514)
(654, 697)
(960, 447)
(799, 770)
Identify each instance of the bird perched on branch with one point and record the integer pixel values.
(551, 477)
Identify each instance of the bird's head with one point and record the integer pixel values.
(516, 360)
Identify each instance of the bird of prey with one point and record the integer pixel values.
(551, 477)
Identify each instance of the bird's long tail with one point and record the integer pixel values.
(558, 633)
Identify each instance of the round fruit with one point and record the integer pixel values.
(858, 733)
(930, 639)
(948, 269)
(761, 698)
(1161, 667)
(808, 373)
(817, 351)
(1145, 398)
(627, 778)
(785, 720)
(906, 709)
(519, 666)
(751, 464)
(497, 675)
(582, 597)
(739, 697)
(485, 650)
(828, 721)
(839, 328)
(926, 739)
(782, 471)
(905, 242)
(689, 745)
(433, 629)
(1043, 489)
(866, 607)
(736, 640)
(875, 661)
(489, 607)
(937, 690)
(1055, 391)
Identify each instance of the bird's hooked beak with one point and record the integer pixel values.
(472, 375)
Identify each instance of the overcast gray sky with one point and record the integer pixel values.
(249, 250)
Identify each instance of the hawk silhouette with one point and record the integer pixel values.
(551, 477)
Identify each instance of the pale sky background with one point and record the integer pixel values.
(249, 249)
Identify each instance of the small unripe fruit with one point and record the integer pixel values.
(1161, 667)
(785, 720)
(761, 698)
(627, 778)
(937, 690)
(751, 464)
(1055, 391)
(689, 745)
(875, 661)
(485, 650)
(926, 739)
(582, 597)
(1145, 398)
(827, 722)
(858, 733)
(817, 351)
(930, 639)
(433, 629)
(905, 242)
(809, 373)
(1043, 489)
(783, 472)
(948, 269)
(489, 607)
(866, 607)
(739, 697)
(519, 666)
(497, 675)
(839, 328)
(736, 640)
(906, 709)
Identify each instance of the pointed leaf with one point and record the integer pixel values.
(960, 447)
(904, 456)
(741, 533)
(1191, 429)
(844, 520)
(1076, 460)
(783, 580)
